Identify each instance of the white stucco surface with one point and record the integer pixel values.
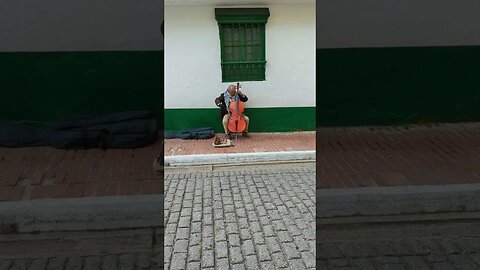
(87, 25)
(192, 58)
(388, 23)
(235, 2)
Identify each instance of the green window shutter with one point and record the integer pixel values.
(242, 43)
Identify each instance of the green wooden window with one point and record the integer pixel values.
(242, 43)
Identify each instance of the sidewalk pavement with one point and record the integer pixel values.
(258, 147)
(398, 170)
(47, 189)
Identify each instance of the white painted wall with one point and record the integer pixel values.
(235, 3)
(86, 25)
(395, 23)
(192, 58)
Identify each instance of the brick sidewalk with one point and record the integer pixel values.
(391, 156)
(257, 142)
(45, 172)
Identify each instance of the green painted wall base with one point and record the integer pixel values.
(387, 86)
(262, 119)
(46, 86)
(355, 86)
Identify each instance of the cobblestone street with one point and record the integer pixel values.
(422, 246)
(136, 249)
(260, 217)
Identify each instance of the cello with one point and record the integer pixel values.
(236, 122)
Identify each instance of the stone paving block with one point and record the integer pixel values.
(194, 253)
(183, 233)
(291, 251)
(193, 266)
(221, 249)
(273, 244)
(297, 264)
(251, 262)
(265, 220)
(284, 236)
(178, 261)
(207, 243)
(309, 259)
(279, 260)
(220, 235)
(196, 227)
(207, 218)
(181, 246)
(222, 263)
(238, 219)
(279, 225)
(232, 227)
(235, 255)
(207, 231)
(267, 265)
(300, 243)
(248, 247)
(245, 234)
(217, 215)
(258, 238)
(195, 239)
(263, 253)
(268, 231)
(219, 225)
(234, 240)
(255, 227)
(208, 258)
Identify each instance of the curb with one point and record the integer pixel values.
(231, 158)
(399, 200)
(80, 214)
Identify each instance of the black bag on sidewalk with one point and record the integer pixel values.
(191, 134)
(17, 135)
(117, 130)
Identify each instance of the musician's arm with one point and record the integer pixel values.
(219, 102)
(243, 98)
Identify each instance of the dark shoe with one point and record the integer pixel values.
(245, 134)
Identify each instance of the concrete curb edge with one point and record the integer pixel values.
(398, 200)
(208, 159)
(88, 213)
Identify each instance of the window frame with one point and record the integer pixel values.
(245, 17)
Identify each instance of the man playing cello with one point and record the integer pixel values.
(223, 101)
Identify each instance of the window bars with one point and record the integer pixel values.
(242, 41)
